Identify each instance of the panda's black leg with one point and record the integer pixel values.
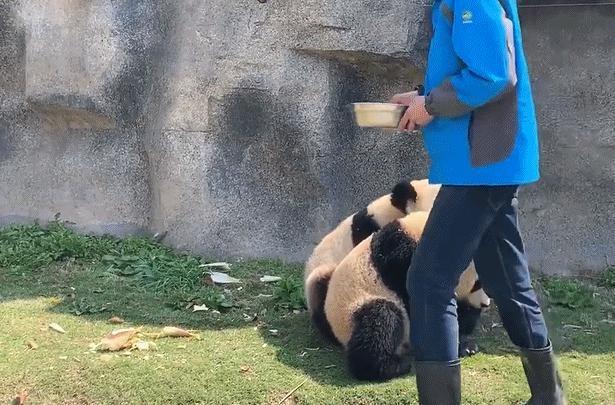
(376, 350)
(467, 317)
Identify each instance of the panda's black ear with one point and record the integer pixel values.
(401, 194)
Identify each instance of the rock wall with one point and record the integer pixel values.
(226, 123)
(569, 220)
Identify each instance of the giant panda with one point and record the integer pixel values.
(367, 304)
(406, 197)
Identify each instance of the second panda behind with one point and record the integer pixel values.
(367, 303)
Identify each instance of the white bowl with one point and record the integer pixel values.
(378, 115)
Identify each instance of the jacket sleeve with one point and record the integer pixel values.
(482, 38)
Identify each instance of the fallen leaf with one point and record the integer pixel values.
(172, 331)
(197, 308)
(264, 296)
(245, 369)
(63, 357)
(20, 399)
(270, 279)
(223, 278)
(55, 327)
(222, 265)
(118, 340)
(32, 344)
(116, 320)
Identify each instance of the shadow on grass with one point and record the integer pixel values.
(82, 289)
(589, 330)
(147, 284)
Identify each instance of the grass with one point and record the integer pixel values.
(256, 341)
(607, 278)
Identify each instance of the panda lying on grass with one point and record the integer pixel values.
(406, 197)
(355, 283)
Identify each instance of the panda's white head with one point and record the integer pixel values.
(478, 298)
(425, 195)
(392, 206)
(415, 195)
(405, 198)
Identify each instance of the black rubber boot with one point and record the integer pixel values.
(438, 383)
(543, 378)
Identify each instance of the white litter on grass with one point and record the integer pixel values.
(55, 327)
(223, 278)
(223, 265)
(144, 346)
(270, 279)
(197, 308)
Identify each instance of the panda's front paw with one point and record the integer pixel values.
(467, 348)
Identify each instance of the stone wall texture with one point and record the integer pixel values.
(226, 123)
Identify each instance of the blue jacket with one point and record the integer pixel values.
(478, 89)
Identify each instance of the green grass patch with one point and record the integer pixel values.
(569, 293)
(607, 279)
(256, 341)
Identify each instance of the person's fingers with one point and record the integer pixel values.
(411, 126)
(403, 98)
(403, 122)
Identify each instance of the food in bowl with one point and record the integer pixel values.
(378, 115)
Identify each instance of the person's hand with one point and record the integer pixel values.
(404, 98)
(415, 115)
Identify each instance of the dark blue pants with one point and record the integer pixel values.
(471, 223)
